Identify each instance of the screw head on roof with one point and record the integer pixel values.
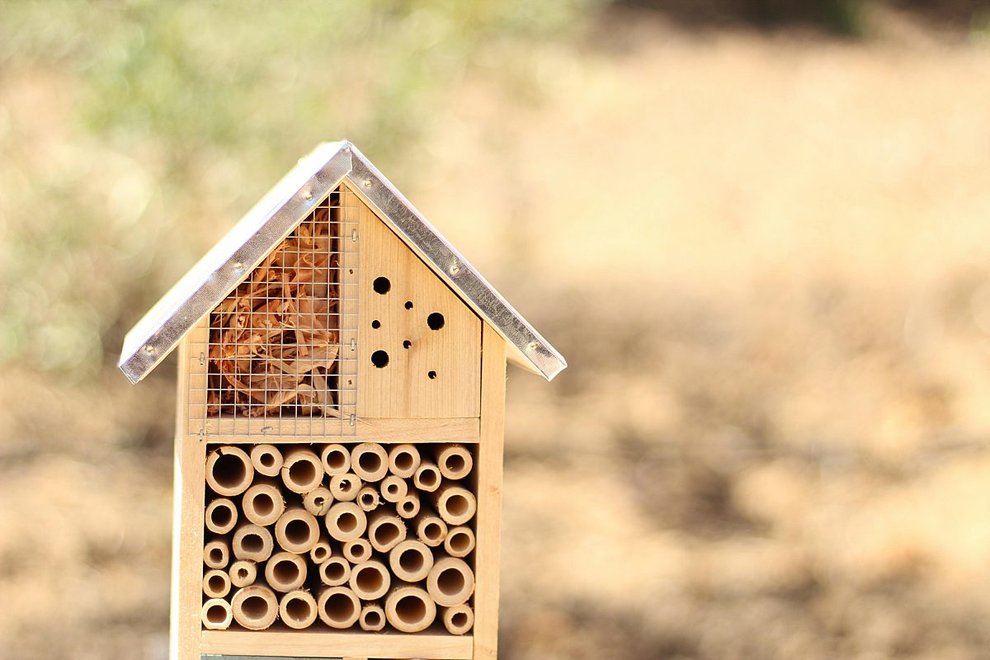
(532, 346)
(366, 183)
(149, 349)
(455, 268)
(308, 195)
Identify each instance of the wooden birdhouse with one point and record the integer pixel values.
(340, 414)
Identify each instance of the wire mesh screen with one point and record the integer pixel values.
(279, 353)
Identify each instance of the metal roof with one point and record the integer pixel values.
(274, 217)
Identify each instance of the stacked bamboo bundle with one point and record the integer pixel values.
(369, 536)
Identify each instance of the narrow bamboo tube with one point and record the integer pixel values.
(458, 619)
(459, 542)
(455, 462)
(403, 460)
(318, 501)
(369, 461)
(368, 499)
(408, 506)
(221, 515)
(263, 503)
(322, 551)
(385, 530)
(338, 607)
(427, 477)
(302, 470)
(216, 583)
(455, 505)
(394, 488)
(255, 607)
(450, 582)
(336, 459)
(297, 530)
(410, 609)
(431, 529)
(229, 471)
(410, 561)
(243, 573)
(252, 542)
(357, 550)
(216, 614)
(216, 554)
(285, 572)
(335, 572)
(372, 618)
(346, 521)
(370, 580)
(298, 609)
(345, 487)
(266, 459)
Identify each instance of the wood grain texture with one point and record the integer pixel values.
(376, 429)
(321, 644)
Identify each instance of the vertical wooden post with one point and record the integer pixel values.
(489, 470)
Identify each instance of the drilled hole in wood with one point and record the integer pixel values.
(406, 344)
(381, 285)
(431, 375)
(379, 359)
(435, 321)
(409, 304)
(376, 324)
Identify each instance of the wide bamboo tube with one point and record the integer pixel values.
(427, 477)
(229, 471)
(221, 515)
(338, 607)
(243, 573)
(410, 561)
(255, 607)
(431, 529)
(297, 530)
(335, 572)
(454, 462)
(394, 488)
(410, 609)
(285, 572)
(263, 503)
(408, 506)
(216, 554)
(403, 460)
(368, 499)
(216, 583)
(357, 550)
(298, 609)
(369, 461)
(458, 619)
(370, 580)
(322, 551)
(346, 521)
(455, 505)
(318, 501)
(216, 614)
(252, 542)
(385, 530)
(372, 618)
(450, 582)
(302, 470)
(345, 487)
(336, 459)
(266, 459)
(459, 542)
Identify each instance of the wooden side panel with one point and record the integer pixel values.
(320, 644)
(489, 517)
(430, 372)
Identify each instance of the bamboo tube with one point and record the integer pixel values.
(216, 614)
(252, 542)
(455, 505)
(403, 460)
(372, 618)
(302, 470)
(298, 609)
(297, 530)
(408, 506)
(427, 477)
(370, 580)
(243, 573)
(394, 488)
(322, 551)
(318, 501)
(221, 515)
(410, 561)
(410, 609)
(357, 550)
(369, 461)
(338, 607)
(216, 554)
(255, 607)
(335, 572)
(385, 530)
(431, 529)
(458, 619)
(345, 487)
(285, 572)
(459, 542)
(266, 459)
(367, 499)
(454, 462)
(216, 583)
(263, 503)
(346, 521)
(229, 471)
(336, 459)
(450, 581)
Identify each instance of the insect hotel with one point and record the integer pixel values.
(340, 415)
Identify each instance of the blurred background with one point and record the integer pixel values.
(758, 229)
